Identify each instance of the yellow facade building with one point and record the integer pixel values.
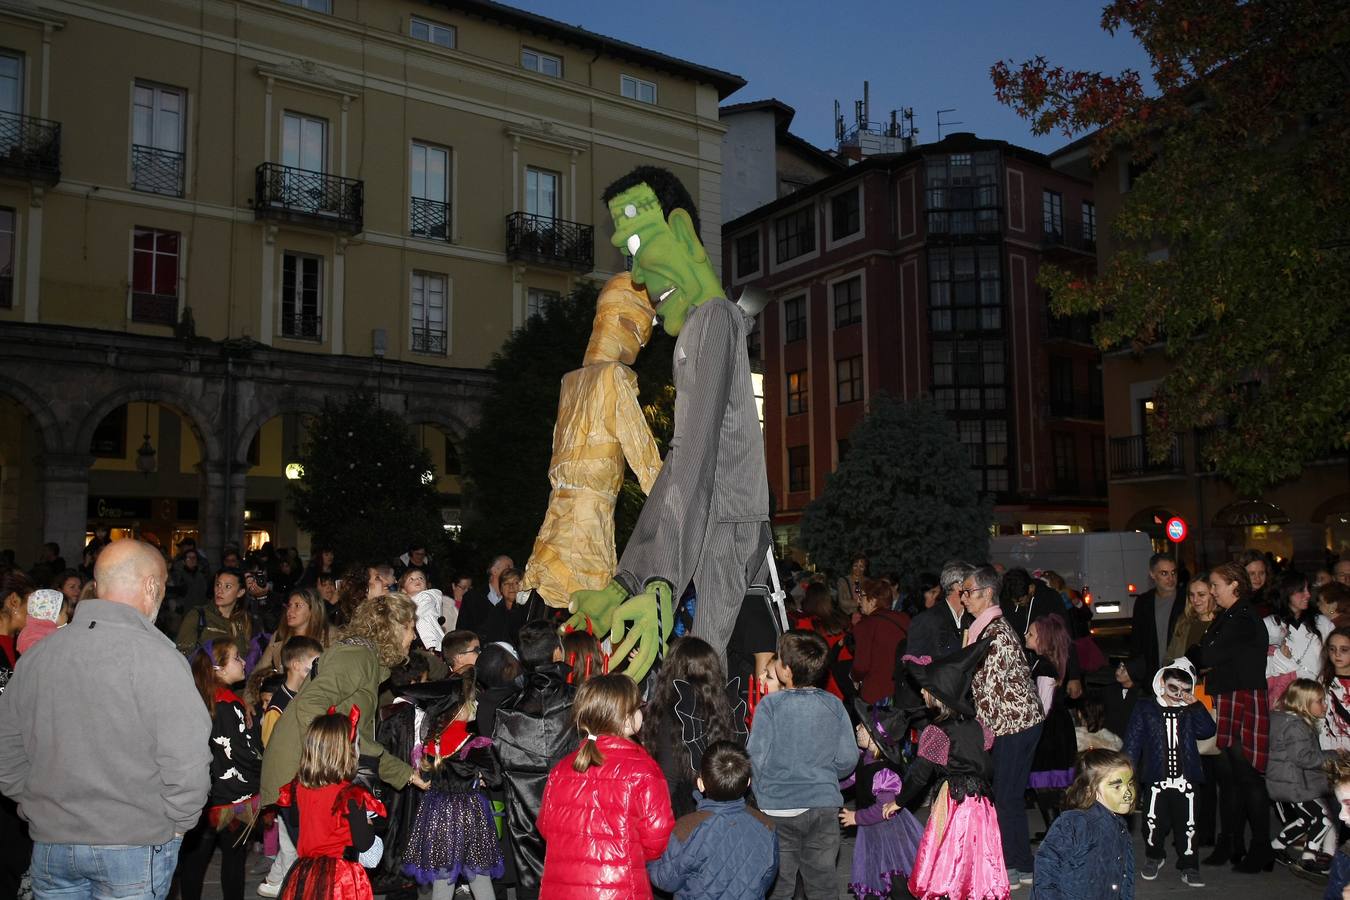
(213, 214)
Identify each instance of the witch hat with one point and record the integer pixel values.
(949, 678)
(888, 726)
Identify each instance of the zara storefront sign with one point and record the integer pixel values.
(1176, 529)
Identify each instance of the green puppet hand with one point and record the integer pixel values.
(595, 609)
(651, 615)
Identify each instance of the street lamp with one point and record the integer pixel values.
(145, 457)
(294, 471)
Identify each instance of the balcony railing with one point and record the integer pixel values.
(429, 219)
(1068, 235)
(302, 326)
(308, 198)
(30, 148)
(550, 242)
(157, 171)
(1130, 458)
(429, 340)
(154, 309)
(1075, 408)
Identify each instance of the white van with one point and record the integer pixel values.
(1110, 568)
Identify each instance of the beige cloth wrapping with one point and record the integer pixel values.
(600, 425)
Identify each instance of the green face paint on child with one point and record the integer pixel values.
(1116, 791)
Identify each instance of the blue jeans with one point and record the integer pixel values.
(1013, 754)
(103, 872)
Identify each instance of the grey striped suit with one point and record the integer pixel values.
(706, 519)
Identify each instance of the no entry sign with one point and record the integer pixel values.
(1176, 529)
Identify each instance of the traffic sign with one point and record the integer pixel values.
(1176, 529)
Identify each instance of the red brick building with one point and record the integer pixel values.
(915, 274)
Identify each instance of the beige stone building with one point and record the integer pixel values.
(213, 214)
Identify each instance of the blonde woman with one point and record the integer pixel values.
(1195, 621)
(350, 672)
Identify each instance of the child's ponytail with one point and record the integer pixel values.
(602, 706)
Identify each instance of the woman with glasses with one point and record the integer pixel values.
(1006, 701)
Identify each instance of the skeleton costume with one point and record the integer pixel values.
(1163, 739)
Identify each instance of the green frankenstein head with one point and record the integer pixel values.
(656, 223)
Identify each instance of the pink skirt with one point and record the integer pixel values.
(965, 860)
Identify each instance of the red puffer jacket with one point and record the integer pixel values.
(601, 826)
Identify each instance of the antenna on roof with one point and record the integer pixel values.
(940, 123)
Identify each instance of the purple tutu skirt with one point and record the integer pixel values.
(884, 852)
(965, 861)
(452, 837)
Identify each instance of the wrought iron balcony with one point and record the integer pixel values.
(429, 340)
(1068, 236)
(30, 148)
(429, 219)
(1130, 458)
(154, 309)
(550, 242)
(157, 171)
(304, 197)
(302, 326)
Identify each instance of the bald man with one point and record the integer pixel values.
(104, 740)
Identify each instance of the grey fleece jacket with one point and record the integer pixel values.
(103, 736)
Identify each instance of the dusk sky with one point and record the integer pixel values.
(927, 56)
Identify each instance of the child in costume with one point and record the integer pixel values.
(453, 835)
(885, 848)
(1088, 854)
(330, 817)
(1163, 741)
(1295, 776)
(606, 809)
(236, 768)
(960, 856)
(1338, 776)
(1048, 650)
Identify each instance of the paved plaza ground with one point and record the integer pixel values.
(1219, 882)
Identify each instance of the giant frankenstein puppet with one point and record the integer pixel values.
(706, 517)
(599, 426)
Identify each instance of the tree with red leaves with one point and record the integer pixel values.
(1233, 245)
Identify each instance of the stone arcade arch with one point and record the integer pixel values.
(70, 379)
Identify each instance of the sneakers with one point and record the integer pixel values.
(1025, 878)
(1014, 879)
(1192, 878)
(1150, 869)
(268, 889)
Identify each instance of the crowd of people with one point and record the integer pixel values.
(388, 727)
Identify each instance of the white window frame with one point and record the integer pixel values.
(831, 239)
(19, 97)
(557, 191)
(319, 6)
(539, 62)
(447, 194)
(419, 292)
(432, 29)
(301, 117)
(535, 299)
(631, 86)
(737, 276)
(320, 308)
